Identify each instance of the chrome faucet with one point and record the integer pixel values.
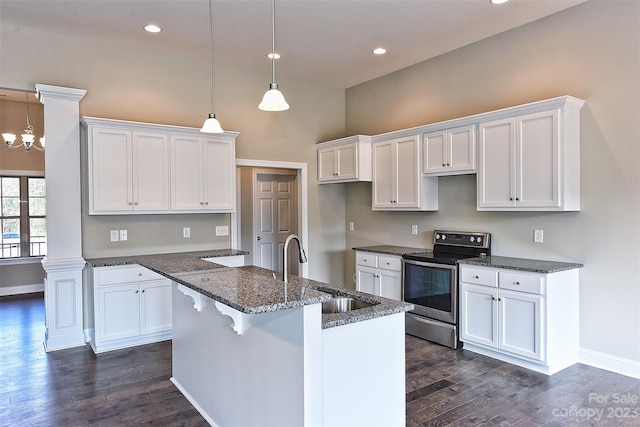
(285, 252)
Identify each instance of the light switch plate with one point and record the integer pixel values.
(222, 230)
(351, 226)
(538, 236)
(115, 235)
(186, 232)
(123, 235)
(414, 229)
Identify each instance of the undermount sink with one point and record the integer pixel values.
(343, 304)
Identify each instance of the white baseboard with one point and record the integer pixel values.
(22, 289)
(619, 365)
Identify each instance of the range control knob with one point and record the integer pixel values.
(437, 237)
(473, 239)
(479, 239)
(444, 237)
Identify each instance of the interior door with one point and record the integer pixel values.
(275, 218)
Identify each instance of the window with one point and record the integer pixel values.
(22, 217)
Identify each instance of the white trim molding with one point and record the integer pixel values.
(619, 365)
(21, 289)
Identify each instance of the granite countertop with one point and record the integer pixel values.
(521, 264)
(179, 260)
(253, 289)
(392, 250)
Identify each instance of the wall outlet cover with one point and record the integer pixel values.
(222, 230)
(186, 232)
(414, 230)
(123, 235)
(538, 236)
(115, 235)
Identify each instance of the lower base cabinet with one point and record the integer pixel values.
(379, 274)
(131, 306)
(528, 319)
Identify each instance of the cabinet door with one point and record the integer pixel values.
(110, 171)
(186, 173)
(478, 314)
(327, 164)
(155, 306)
(347, 162)
(383, 175)
(150, 154)
(521, 324)
(389, 284)
(434, 152)
(461, 149)
(118, 311)
(496, 164)
(366, 279)
(219, 175)
(407, 171)
(537, 183)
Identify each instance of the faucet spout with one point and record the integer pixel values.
(285, 251)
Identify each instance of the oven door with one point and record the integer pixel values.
(432, 288)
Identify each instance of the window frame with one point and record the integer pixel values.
(24, 217)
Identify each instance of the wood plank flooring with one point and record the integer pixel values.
(131, 387)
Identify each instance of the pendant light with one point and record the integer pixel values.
(211, 125)
(273, 99)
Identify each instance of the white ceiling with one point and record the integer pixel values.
(321, 41)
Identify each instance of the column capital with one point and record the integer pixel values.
(60, 92)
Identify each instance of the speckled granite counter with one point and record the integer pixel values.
(252, 289)
(392, 250)
(522, 264)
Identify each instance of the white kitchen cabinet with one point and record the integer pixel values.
(449, 151)
(397, 179)
(129, 171)
(202, 173)
(529, 319)
(227, 261)
(379, 274)
(344, 160)
(531, 161)
(143, 168)
(131, 306)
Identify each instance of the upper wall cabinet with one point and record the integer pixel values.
(140, 168)
(397, 180)
(449, 152)
(529, 158)
(202, 174)
(344, 160)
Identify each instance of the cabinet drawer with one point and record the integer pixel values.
(389, 263)
(367, 258)
(124, 274)
(479, 276)
(518, 281)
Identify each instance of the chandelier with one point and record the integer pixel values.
(28, 138)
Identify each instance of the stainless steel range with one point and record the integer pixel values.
(430, 283)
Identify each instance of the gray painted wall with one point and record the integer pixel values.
(591, 51)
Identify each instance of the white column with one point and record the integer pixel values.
(64, 262)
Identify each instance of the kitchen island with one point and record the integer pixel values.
(249, 350)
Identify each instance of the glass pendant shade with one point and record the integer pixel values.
(211, 125)
(28, 138)
(41, 141)
(273, 100)
(8, 138)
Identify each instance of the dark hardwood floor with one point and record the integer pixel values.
(131, 387)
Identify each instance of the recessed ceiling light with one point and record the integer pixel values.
(274, 55)
(379, 51)
(498, 1)
(152, 28)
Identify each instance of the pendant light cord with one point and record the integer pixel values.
(211, 55)
(273, 41)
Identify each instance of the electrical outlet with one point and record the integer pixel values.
(222, 230)
(123, 235)
(538, 236)
(351, 226)
(115, 235)
(186, 232)
(414, 229)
